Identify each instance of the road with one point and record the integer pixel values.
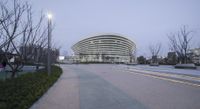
(104, 86)
(168, 69)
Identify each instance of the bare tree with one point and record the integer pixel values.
(10, 30)
(132, 55)
(18, 32)
(34, 36)
(180, 43)
(4, 15)
(155, 50)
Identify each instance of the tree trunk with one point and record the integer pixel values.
(13, 74)
(37, 67)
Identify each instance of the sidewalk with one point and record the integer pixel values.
(64, 94)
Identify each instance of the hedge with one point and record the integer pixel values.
(22, 92)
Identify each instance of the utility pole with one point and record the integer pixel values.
(49, 15)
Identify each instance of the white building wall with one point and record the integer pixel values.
(114, 48)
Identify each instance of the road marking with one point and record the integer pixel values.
(163, 78)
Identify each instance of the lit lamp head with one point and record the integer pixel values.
(49, 16)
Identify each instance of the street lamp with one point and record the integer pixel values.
(49, 16)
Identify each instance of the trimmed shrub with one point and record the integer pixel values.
(22, 92)
(185, 66)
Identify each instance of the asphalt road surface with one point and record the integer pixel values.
(104, 86)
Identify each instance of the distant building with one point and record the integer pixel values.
(37, 54)
(61, 58)
(195, 55)
(71, 59)
(108, 48)
(11, 57)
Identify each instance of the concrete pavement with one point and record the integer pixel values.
(64, 94)
(110, 87)
(97, 93)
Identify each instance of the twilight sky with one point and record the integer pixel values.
(143, 21)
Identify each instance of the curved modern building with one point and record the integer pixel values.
(108, 48)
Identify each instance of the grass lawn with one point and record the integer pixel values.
(23, 91)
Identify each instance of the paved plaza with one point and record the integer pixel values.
(107, 86)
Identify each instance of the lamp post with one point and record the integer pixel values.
(49, 16)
